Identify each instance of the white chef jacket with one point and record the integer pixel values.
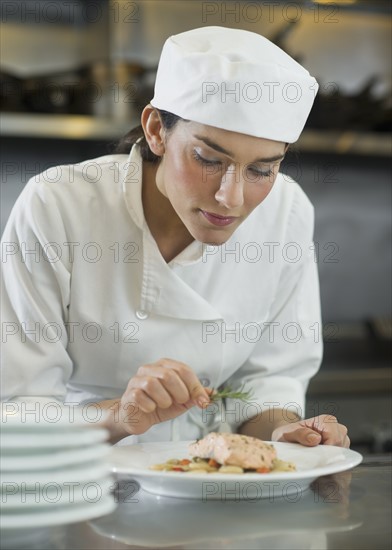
(87, 297)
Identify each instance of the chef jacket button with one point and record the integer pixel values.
(141, 314)
(205, 382)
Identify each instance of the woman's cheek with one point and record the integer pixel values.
(269, 184)
(259, 193)
(189, 178)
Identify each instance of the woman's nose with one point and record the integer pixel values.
(231, 190)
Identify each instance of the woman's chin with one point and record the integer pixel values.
(215, 240)
(211, 236)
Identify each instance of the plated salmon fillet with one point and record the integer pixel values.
(234, 450)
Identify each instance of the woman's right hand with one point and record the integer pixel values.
(158, 392)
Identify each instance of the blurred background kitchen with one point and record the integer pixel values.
(75, 75)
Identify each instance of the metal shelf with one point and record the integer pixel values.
(76, 127)
(347, 142)
(73, 127)
(373, 380)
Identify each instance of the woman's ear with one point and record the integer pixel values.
(153, 130)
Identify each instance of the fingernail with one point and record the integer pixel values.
(203, 401)
(312, 438)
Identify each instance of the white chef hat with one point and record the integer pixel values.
(235, 80)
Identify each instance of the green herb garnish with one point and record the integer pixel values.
(228, 393)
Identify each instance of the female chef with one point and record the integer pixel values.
(141, 280)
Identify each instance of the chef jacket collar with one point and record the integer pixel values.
(132, 189)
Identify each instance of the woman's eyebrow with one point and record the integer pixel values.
(221, 149)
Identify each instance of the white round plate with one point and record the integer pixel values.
(70, 474)
(50, 416)
(311, 463)
(55, 496)
(41, 440)
(57, 516)
(52, 458)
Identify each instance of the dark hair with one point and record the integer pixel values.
(125, 144)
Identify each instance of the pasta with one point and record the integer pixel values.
(198, 465)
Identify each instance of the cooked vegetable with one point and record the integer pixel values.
(202, 466)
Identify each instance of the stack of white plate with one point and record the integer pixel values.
(53, 466)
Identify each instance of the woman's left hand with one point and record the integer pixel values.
(319, 430)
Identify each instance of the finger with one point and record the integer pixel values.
(169, 379)
(302, 435)
(154, 389)
(196, 390)
(320, 423)
(339, 440)
(334, 435)
(139, 399)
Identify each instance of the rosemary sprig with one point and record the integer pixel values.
(228, 393)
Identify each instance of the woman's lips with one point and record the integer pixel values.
(218, 220)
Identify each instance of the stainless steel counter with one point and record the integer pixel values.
(347, 510)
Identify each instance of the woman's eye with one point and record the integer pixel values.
(256, 172)
(261, 173)
(204, 161)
